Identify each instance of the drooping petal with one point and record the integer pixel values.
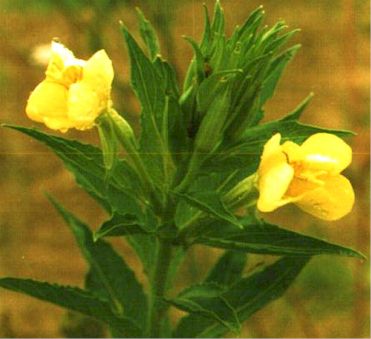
(83, 106)
(326, 152)
(331, 201)
(48, 104)
(98, 74)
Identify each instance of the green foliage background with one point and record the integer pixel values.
(332, 63)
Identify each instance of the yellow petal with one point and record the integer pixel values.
(63, 67)
(272, 146)
(300, 186)
(331, 201)
(326, 152)
(83, 106)
(274, 176)
(293, 151)
(58, 123)
(98, 74)
(48, 104)
(273, 186)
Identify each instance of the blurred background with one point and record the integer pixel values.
(331, 298)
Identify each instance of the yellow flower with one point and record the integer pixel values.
(307, 175)
(74, 92)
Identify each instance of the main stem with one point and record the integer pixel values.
(158, 288)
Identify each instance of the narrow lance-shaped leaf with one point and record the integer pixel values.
(210, 202)
(245, 297)
(228, 268)
(148, 35)
(120, 225)
(168, 75)
(199, 60)
(125, 293)
(246, 153)
(208, 300)
(250, 25)
(74, 299)
(149, 88)
(217, 25)
(86, 163)
(177, 133)
(298, 111)
(264, 238)
(207, 35)
(275, 72)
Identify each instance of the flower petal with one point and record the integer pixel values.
(331, 201)
(83, 106)
(273, 186)
(98, 74)
(326, 152)
(63, 67)
(48, 104)
(272, 146)
(274, 176)
(293, 152)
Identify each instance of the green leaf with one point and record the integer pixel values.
(250, 26)
(86, 163)
(246, 153)
(74, 299)
(219, 57)
(226, 271)
(147, 84)
(96, 286)
(207, 36)
(122, 203)
(109, 144)
(125, 293)
(148, 35)
(177, 132)
(213, 86)
(245, 297)
(228, 268)
(149, 88)
(275, 72)
(210, 202)
(146, 247)
(289, 129)
(298, 111)
(168, 75)
(120, 225)
(210, 133)
(264, 238)
(199, 60)
(207, 300)
(217, 26)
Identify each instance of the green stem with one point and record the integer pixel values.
(158, 289)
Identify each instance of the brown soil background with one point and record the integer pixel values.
(330, 299)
